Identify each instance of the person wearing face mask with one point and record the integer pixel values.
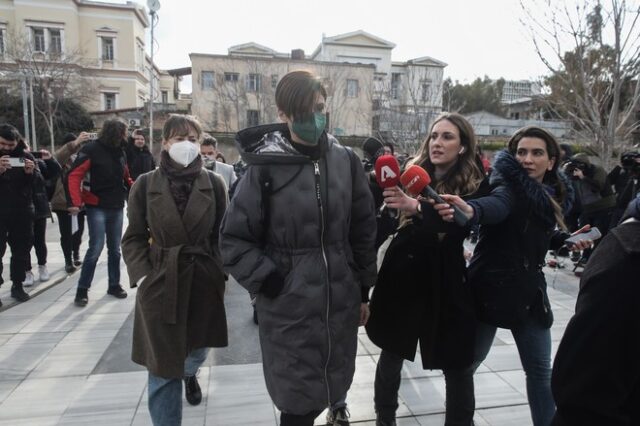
(171, 251)
(209, 152)
(99, 180)
(300, 233)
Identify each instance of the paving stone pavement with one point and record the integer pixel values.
(63, 365)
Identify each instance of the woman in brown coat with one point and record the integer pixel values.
(171, 250)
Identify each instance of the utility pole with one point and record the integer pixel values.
(25, 107)
(154, 6)
(34, 141)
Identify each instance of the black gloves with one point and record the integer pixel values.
(272, 285)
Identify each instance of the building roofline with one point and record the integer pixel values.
(278, 59)
(129, 5)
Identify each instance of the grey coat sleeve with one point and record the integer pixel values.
(362, 232)
(241, 234)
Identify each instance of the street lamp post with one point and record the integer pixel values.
(25, 106)
(154, 6)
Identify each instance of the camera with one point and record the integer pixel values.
(571, 166)
(93, 136)
(631, 161)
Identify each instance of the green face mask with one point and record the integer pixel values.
(310, 129)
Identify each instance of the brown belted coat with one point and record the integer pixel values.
(180, 302)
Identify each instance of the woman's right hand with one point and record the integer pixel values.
(446, 211)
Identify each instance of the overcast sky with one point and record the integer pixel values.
(475, 38)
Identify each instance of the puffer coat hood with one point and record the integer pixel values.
(314, 225)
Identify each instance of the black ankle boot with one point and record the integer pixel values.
(18, 293)
(192, 390)
(81, 297)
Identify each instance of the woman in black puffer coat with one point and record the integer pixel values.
(519, 223)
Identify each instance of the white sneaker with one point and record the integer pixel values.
(28, 279)
(43, 274)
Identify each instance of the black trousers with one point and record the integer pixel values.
(70, 243)
(460, 399)
(39, 242)
(298, 420)
(16, 230)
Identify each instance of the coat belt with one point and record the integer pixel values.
(171, 257)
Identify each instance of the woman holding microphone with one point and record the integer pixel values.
(420, 296)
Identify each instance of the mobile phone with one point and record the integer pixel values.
(16, 161)
(36, 154)
(93, 136)
(593, 234)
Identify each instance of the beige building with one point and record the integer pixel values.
(104, 42)
(234, 91)
(369, 93)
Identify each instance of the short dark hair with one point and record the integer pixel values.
(296, 93)
(180, 125)
(10, 133)
(208, 140)
(113, 130)
(391, 147)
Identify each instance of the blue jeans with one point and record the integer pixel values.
(102, 223)
(165, 395)
(534, 347)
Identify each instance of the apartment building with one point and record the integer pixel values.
(104, 43)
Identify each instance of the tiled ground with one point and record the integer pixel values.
(49, 350)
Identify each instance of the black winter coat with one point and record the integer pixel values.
(49, 172)
(16, 187)
(421, 294)
(139, 160)
(596, 373)
(517, 229)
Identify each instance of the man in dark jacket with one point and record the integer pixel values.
(17, 171)
(596, 374)
(139, 158)
(99, 179)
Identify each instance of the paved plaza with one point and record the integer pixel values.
(64, 365)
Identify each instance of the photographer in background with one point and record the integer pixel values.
(624, 178)
(594, 191)
(139, 158)
(372, 148)
(17, 171)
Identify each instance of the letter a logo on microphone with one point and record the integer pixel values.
(387, 173)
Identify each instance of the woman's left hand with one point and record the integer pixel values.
(364, 313)
(395, 198)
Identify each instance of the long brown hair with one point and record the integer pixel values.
(465, 176)
(551, 177)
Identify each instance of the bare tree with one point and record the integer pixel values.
(55, 74)
(592, 51)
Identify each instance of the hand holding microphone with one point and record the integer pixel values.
(416, 179)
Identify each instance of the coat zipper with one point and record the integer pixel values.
(326, 265)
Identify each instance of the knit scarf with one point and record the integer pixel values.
(180, 178)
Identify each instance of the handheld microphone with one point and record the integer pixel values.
(387, 175)
(416, 179)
